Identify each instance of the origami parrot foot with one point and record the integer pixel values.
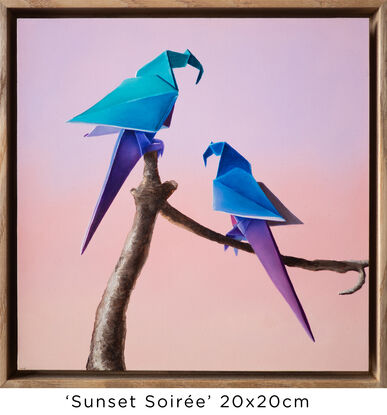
(156, 145)
(236, 234)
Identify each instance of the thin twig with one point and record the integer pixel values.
(179, 219)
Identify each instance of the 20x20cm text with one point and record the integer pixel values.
(261, 401)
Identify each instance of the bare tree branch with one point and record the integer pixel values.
(108, 339)
(360, 282)
(179, 219)
(109, 333)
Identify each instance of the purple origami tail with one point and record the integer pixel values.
(258, 234)
(129, 148)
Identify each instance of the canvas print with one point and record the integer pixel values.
(193, 194)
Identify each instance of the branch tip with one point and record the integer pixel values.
(179, 219)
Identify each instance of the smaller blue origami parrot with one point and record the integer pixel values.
(253, 208)
(136, 110)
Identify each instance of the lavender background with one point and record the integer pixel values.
(291, 95)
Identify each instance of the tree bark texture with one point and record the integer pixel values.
(108, 339)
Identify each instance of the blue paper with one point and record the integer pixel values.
(135, 110)
(252, 210)
(142, 103)
(235, 189)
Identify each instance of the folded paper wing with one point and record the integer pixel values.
(136, 110)
(102, 130)
(289, 217)
(235, 189)
(138, 104)
(129, 148)
(236, 192)
(253, 207)
(144, 103)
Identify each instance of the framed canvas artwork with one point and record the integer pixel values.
(197, 198)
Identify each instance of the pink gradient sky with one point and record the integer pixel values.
(292, 96)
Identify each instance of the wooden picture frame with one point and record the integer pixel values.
(10, 10)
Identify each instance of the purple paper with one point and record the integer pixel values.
(168, 120)
(126, 154)
(235, 233)
(258, 234)
(102, 130)
(156, 145)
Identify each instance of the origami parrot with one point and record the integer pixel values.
(136, 110)
(253, 209)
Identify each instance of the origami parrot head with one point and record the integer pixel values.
(229, 158)
(144, 103)
(135, 110)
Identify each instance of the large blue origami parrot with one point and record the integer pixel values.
(136, 110)
(253, 208)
